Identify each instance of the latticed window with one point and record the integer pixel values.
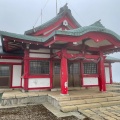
(90, 68)
(4, 71)
(39, 67)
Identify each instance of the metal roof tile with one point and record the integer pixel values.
(23, 37)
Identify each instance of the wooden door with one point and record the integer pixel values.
(74, 74)
(70, 75)
(5, 76)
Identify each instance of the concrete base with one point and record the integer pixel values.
(24, 100)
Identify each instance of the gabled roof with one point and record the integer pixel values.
(63, 11)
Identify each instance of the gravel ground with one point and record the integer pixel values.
(30, 112)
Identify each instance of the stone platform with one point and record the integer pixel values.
(86, 101)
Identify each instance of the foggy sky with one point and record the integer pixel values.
(18, 16)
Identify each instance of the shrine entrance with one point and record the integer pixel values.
(73, 74)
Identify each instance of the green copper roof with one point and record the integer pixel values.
(109, 58)
(24, 37)
(96, 27)
(63, 11)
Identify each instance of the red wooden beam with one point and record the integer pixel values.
(96, 36)
(10, 57)
(74, 56)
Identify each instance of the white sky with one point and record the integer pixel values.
(20, 15)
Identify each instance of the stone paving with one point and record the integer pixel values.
(104, 113)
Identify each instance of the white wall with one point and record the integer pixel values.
(90, 81)
(37, 55)
(16, 76)
(107, 74)
(40, 53)
(73, 52)
(41, 50)
(22, 82)
(38, 82)
(10, 60)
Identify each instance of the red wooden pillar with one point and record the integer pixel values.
(110, 71)
(51, 69)
(51, 73)
(64, 74)
(26, 69)
(102, 81)
(81, 72)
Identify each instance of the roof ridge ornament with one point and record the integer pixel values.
(97, 24)
(64, 9)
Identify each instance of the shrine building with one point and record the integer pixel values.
(58, 54)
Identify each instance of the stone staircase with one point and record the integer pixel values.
(89, 102)
(89, 105)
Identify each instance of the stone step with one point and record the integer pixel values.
(97, 105)
(74, 105)
(89, 106)
(111, 103)
(63, 98)
(68, 108)
(103, 95)
(96, 100)
(72, 102)
(85, 101)
(113, 98)
(80, 97)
